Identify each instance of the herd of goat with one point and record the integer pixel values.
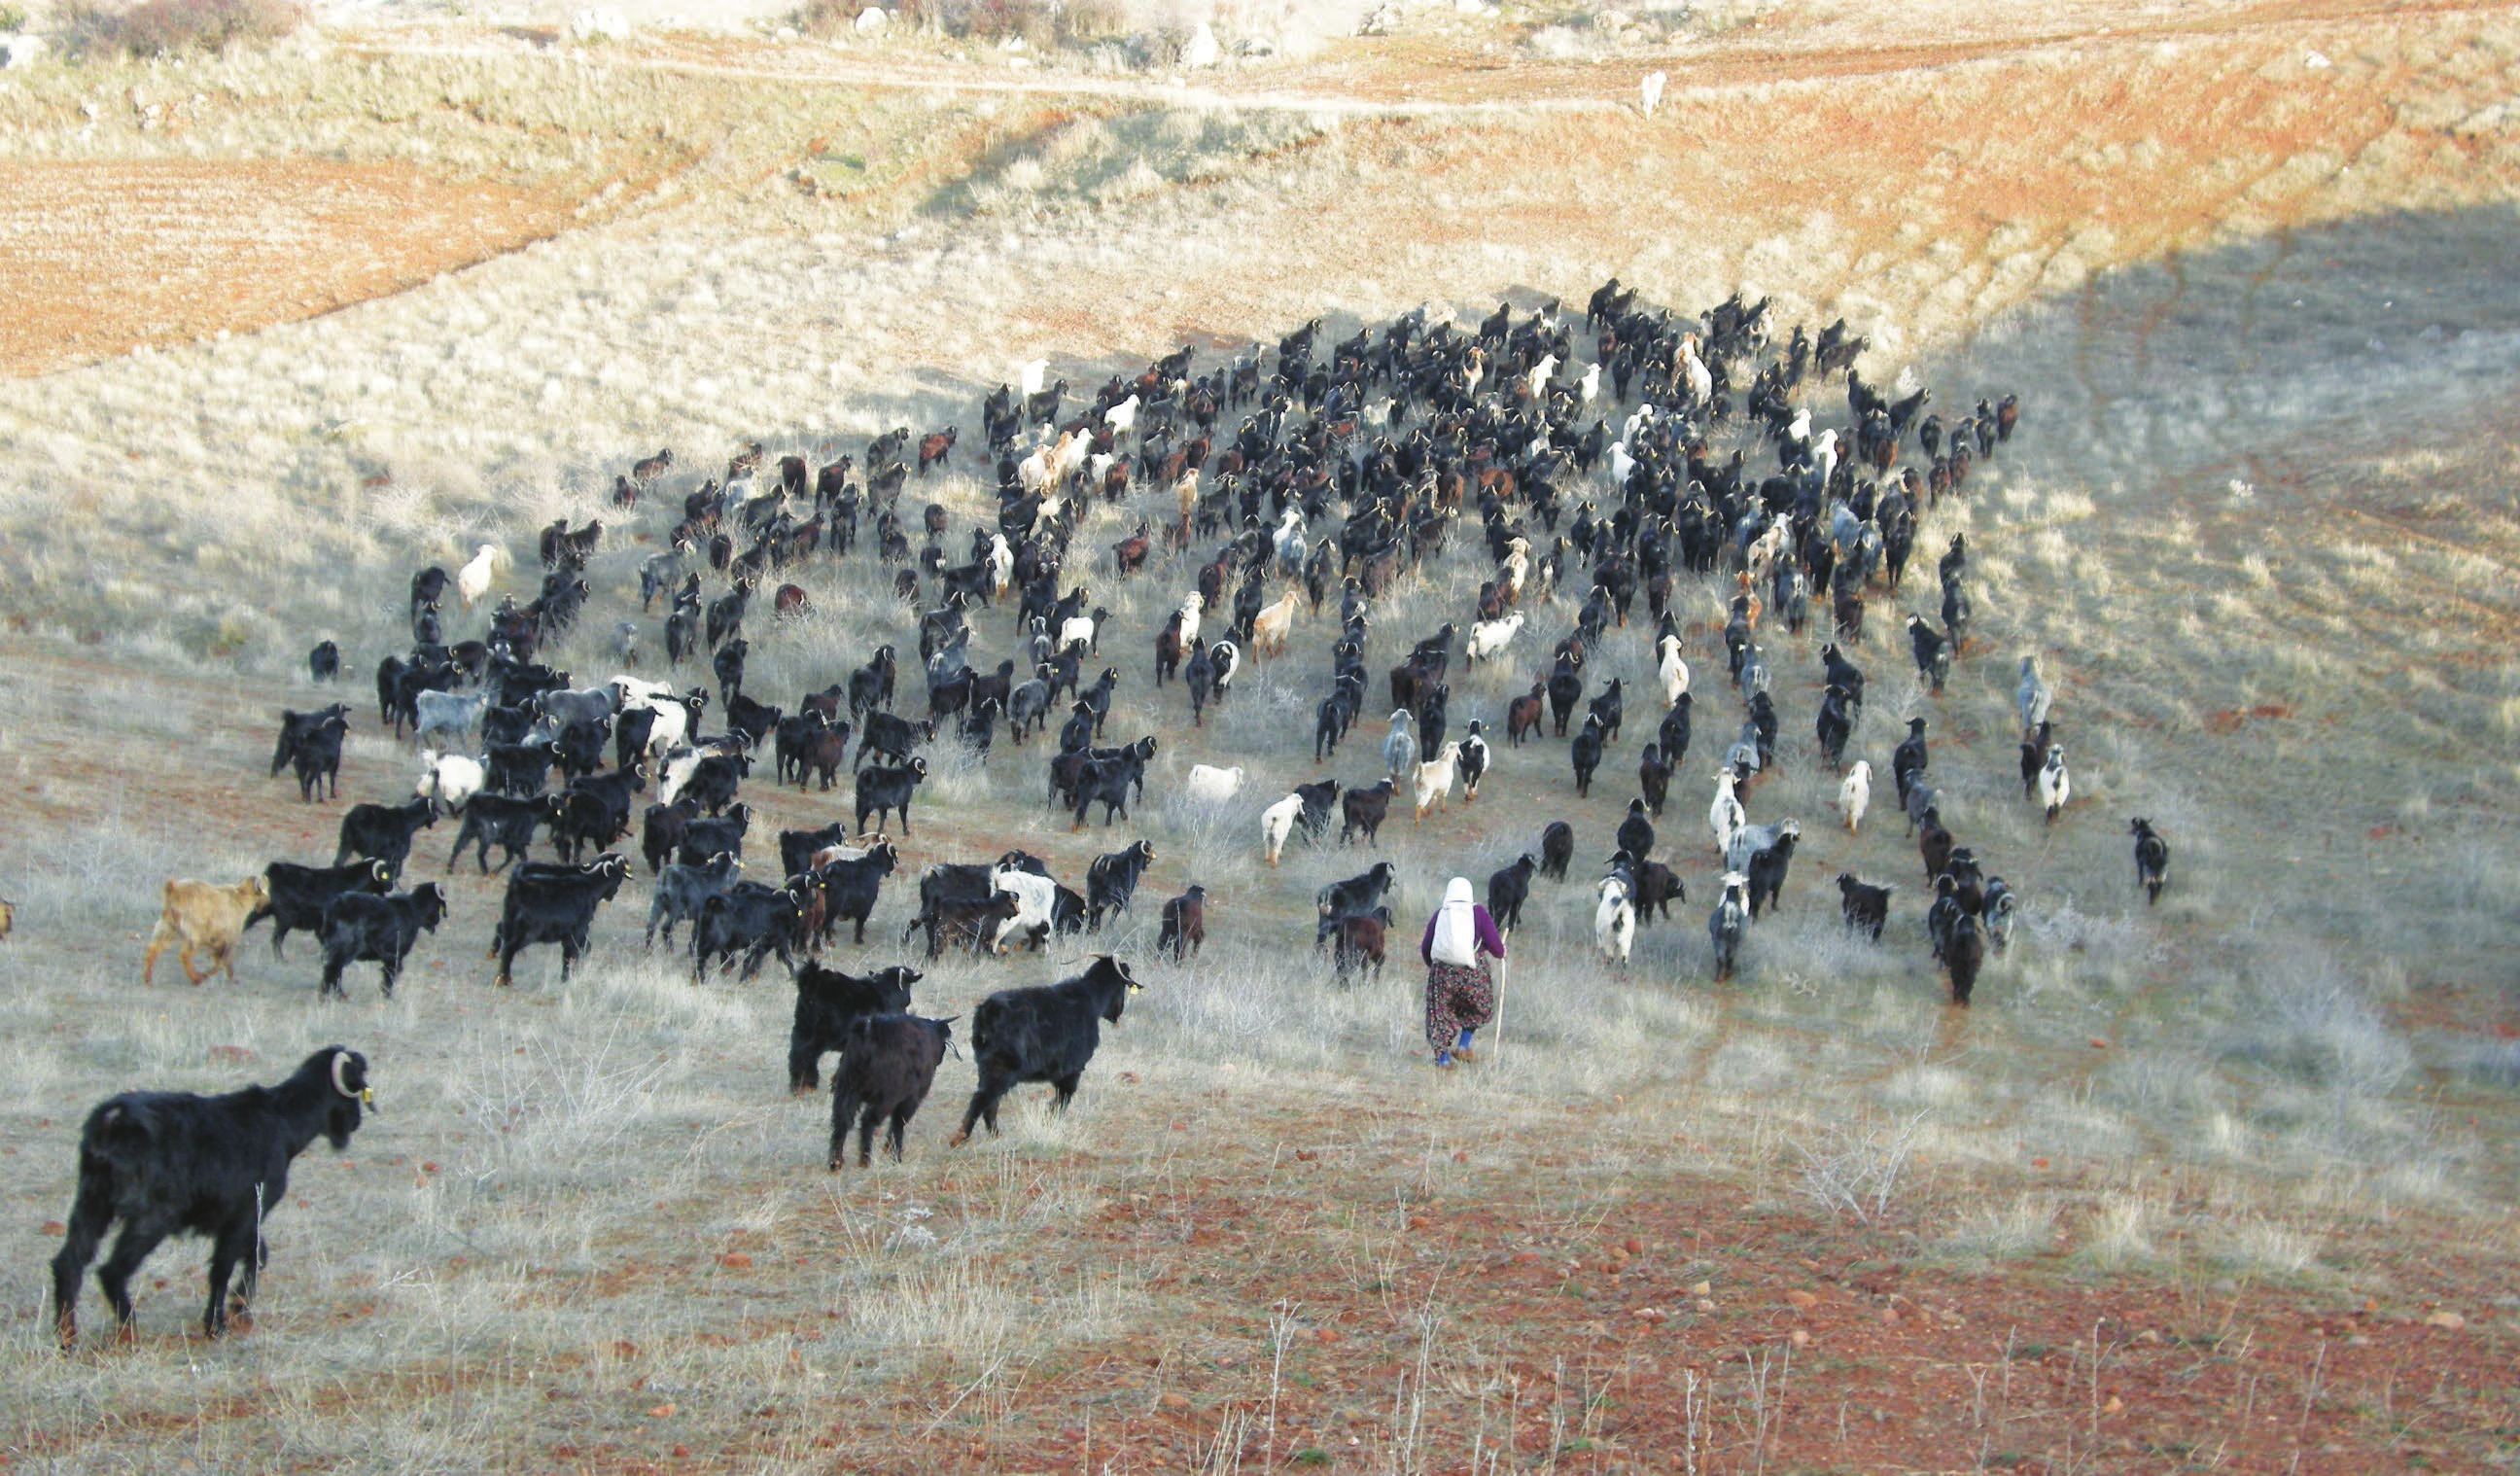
(1320, 476)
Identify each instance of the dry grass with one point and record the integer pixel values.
(590, 1202)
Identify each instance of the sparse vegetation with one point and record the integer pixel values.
(2265, 1119)
(175, 28)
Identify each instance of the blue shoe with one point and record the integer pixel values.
(1443, 1060)
(1465, 1044)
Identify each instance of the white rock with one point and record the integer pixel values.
(1202, 50)
(870, 19)
(19, 51)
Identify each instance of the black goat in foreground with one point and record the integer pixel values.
(887, 1063)
(1043, 1034)
(163, 1162)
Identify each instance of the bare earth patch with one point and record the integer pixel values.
(98, 258)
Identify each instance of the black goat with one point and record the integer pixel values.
(1184, 928)
(1043, 1034)
(554, 904)
(169, 1162)
(363, 928)
(301, 893)
(2151, 860)
(828, 1004)
(384, 832)
(1556, 849)
(1112, 880)
(1507, 890)
(1865, 908)
(497, 818)
(881, 790)
(887, 1067)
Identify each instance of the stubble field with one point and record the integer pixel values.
(2221, 1185)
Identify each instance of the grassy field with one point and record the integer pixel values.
(2220, 1185)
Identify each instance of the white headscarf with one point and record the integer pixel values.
(1457, 926)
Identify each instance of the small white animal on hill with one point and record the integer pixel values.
(1614, 921)
(1726, 817)
(1435, 778)
(1649, 91)
(1673, 670)
(1212, 786)
(472, 581)
(1855, 794)
(1541, 373)
(1489, 636)
(2055, 786)
(1270, 627)
(1277, 822)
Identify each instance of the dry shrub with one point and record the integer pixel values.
(167, 27)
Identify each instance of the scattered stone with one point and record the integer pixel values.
(1801, 1301)
(871, 20)
(2446, 1319)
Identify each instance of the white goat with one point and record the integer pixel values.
(1208, 786)
(1034, 897)
(1277, 822)
(1614, 921)
(1701, 380)
(1189, 609)
(2055, 786)
(451, 778)
(1649, 91)
(1271, 627)
(1002, 563)
(1076, 629)
(1516, 565)
(1489, 636)
(1289, 541)
(1673, 670)
(1541, 373)
(638, 692)
(472, 581)
(1435, 778)
(1855, 793)
(1726, 817)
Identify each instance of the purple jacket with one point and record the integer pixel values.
(1491, 942)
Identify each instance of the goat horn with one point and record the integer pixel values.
(366, 1096)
